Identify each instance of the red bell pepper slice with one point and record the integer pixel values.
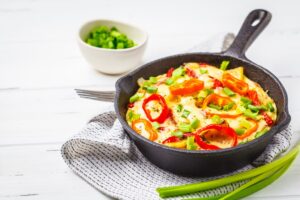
(267, 118)
(217, 129)
(171, 139)
(217, 83)
(164, 112)
(235, 84)
(191, 73)
(188, 87)
(148, 127)
(252, 94)
(170, 72)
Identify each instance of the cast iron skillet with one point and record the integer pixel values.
(208, 163)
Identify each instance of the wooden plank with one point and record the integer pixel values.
(38, 171)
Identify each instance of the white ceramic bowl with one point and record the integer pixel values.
(113, 61)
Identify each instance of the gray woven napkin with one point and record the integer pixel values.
(103, 155)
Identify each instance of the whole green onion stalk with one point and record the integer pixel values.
(260, 173)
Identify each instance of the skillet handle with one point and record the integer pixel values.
(253, 25)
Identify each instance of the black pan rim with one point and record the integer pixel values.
(247, 145)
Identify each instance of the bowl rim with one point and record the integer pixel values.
(274, 129)
(82, 42)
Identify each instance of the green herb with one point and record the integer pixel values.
(190, 143)
(155, 125)
(240, 131)
(214, 106)
(169, 81)
(185, 127)
(274, 166)
(151, 89)
(216, 119)
(177, 133)
(228, 92)
(178, 72)
(244, 123)
(246, 100)
(224, 65)
(228, 106)
(105, 37)
(249, 113)
(132, 116)
(134, 98)
(204, 93)
(153, 80)
(256, 108)
(179, 107)
(185, 113)
(203, 71)
(195, 123)
(270, 107)
(262, 132)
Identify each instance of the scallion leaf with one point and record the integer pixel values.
(185, 113)
(177, 133)
(216, 119)
(185, 127)
(203, 71)
(153, 80)
(228, 92)
(195, 123)
(190, 143)
(214, 106)
(224, 65)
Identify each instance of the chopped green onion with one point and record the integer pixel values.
(104, 37)
(204, 93)
(246, 100)
(256, 108)
(134, 98)
(153, 80)
(177, 133)
(169, 81)
(178, 72)
(179, 108)
(195, 123)
(244, 123)
(132, 116)
(228, 106)
(270, 107)
(190, 143)
(151, 89)
(185, 113)
(214, 106)
(146, 84)
(203, 71)
(240, 131)
(216, 119)
(249, 113)
(262, 132)
(185, 127)
(228, 92)
(155, 125)
(224, 65)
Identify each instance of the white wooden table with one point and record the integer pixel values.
(40, 64)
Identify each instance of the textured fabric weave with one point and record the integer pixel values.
(103, 155)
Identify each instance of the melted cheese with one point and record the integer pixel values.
(189, 103)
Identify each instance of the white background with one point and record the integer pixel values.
(40, 64)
